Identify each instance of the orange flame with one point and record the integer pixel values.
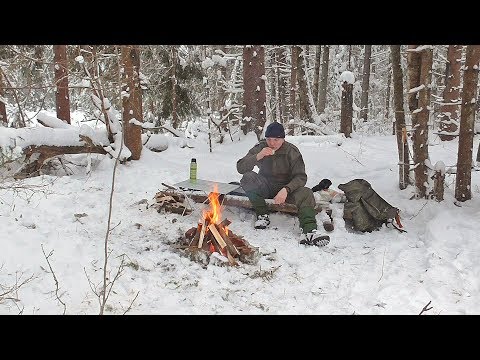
(215, 212)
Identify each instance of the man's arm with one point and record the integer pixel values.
(299, 176)
(248, 162)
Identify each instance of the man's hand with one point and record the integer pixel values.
(266, 151)
(281, 196)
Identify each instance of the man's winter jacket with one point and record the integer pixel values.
(284, 168)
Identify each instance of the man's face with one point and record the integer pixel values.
(275, 143)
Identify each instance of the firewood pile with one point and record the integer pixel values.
(170, 201)
(209, 238)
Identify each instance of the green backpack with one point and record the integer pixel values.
(365, 210)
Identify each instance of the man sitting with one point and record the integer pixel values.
(282, 177)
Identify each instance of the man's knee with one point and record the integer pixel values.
(249, 181)
(304, 197)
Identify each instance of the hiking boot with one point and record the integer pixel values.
(315, 238)
(262, 221)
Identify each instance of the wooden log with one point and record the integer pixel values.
(231, 248)
(213, 228)
(225, 222)
(244, 202)
(231, 260)
(197, 235)
(202, 235)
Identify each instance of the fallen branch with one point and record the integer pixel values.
(426, 308)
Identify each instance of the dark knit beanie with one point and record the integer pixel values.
(275, 130)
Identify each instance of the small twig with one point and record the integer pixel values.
(383, 263)
(169, 186)
(130, 306)
(418, 212)
(352, 156)
(426, 308)
(54, 278)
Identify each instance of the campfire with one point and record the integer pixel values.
(212, 236)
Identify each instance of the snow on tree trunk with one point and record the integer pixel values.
(451, 94)
(132, 100)
(254, 96)
(463, 189)
(346, 111)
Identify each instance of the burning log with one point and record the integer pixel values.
(215, 239)
(211, 236)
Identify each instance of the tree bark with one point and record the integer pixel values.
(316, 74)
(293, 85)
(420, 132)
(463, 189)
(420, 152)
(398, 100)
(346, 109)
(305, 106)
(322, 96)
(132, 100)
(62, 97)
(365, 82)
(254, 96)
(282, 84)
(3, 110)
(451, 94)
(175, 120)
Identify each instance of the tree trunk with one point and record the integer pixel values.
(402, 143)
(451, 94)
(463, 189)
(3, 110)
(175, 120)
(62, 98)
(273, 94)
(421, 127)
(254, 96)
(132, 100)
(420, 152)
(305, 106)
(346, 109)
(293, 84)
(387, 98)
(322, 96)
(220, 94)
(316, 74)
(365, 82)
(282, 84)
